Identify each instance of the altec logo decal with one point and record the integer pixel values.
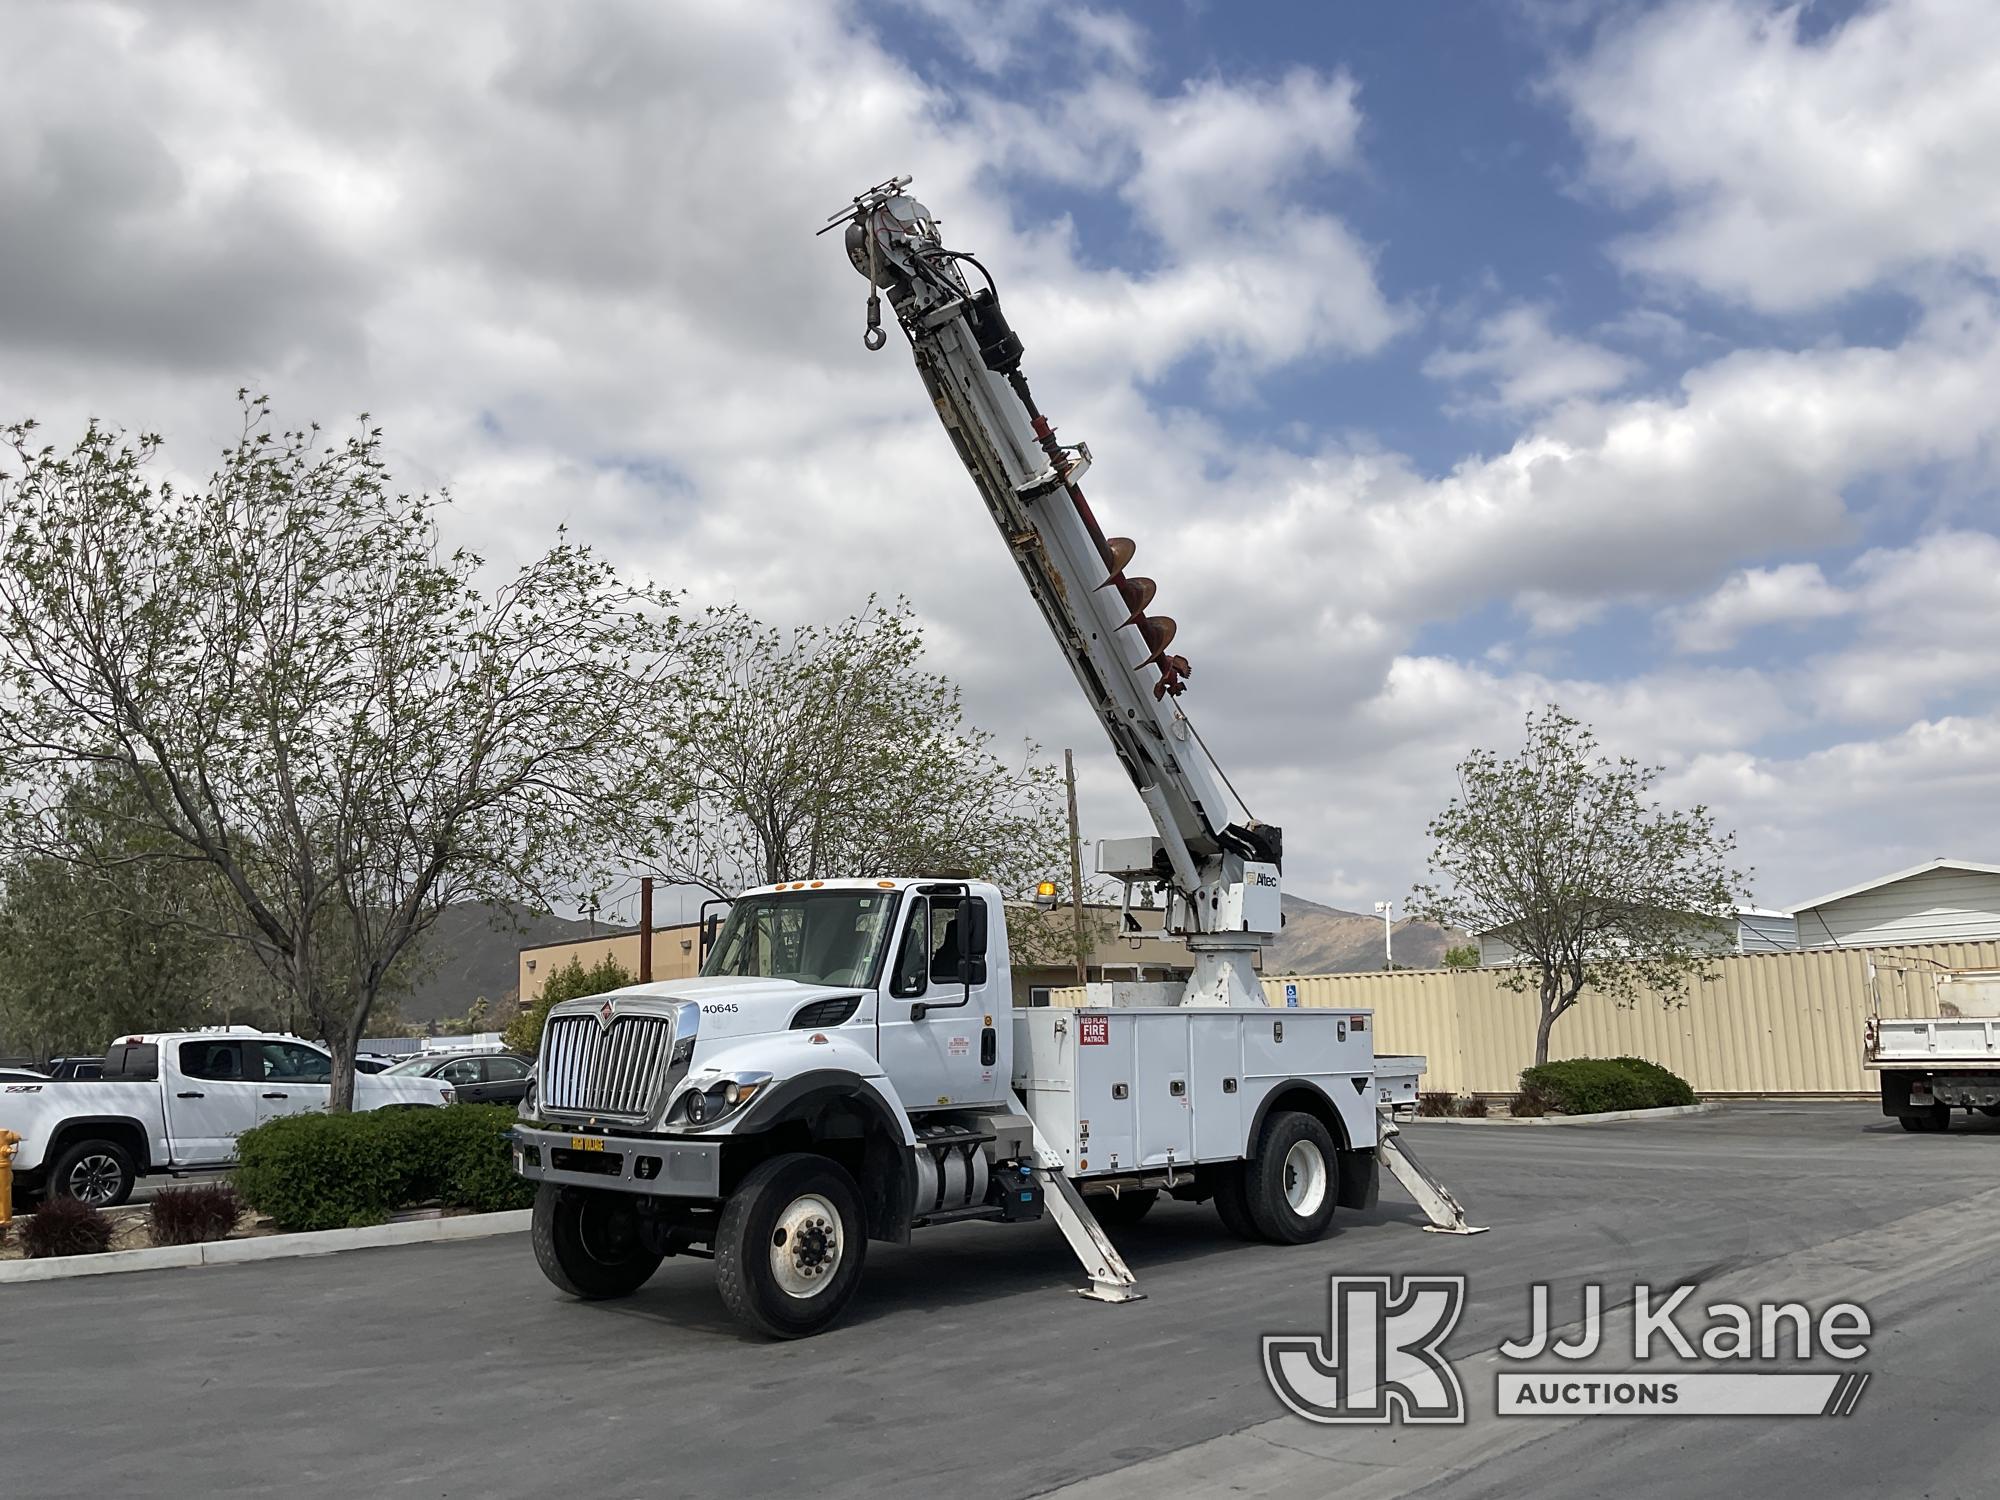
(1383, 1358)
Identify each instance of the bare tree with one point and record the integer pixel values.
(316, 702)
(1562, 853)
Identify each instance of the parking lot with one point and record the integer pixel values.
(966, 1367)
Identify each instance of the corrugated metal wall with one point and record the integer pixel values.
(1764, 1023)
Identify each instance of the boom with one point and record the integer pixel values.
(1221, 875)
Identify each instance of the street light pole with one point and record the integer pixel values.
(1387, 908)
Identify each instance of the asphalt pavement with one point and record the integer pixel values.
(967, 1368)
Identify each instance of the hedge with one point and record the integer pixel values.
(317, 1171)
(1598, 1085)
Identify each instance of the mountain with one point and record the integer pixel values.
(1325, 940)
(472, 950)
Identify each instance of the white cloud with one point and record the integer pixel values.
(1790, 594)
(565, 259)
(1526, 365)
(1797, 167)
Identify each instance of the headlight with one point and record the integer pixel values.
(706, 1102)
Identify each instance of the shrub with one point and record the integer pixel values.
(344, 1171)
(1597, 1085)
(1472, 1107)
(63, 1226)
(1434, 1106)
(195, 1215)
(573, 981)
(1527, 1105)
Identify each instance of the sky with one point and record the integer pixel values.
(1444, 361)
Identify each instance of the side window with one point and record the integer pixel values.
(464, 1071)
(505, 1069)
(288, 1062)
(1038, 994)
(944, 943)
(220, 1061)
(913, 954)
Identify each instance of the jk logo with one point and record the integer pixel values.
(1380, 1361)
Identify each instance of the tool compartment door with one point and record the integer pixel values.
(1215, 1084)
(1106, 1083)
(1160, 1084)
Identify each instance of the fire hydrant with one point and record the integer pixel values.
(9, 1139)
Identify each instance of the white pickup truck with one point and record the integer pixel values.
(172, 1103)
(1930, 1065)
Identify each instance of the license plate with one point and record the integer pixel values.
(585, 1143)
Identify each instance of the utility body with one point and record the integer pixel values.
(172, 1103)
(1930, 1065)
(849, 1067)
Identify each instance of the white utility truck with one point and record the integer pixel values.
(849, 1066)
(1930, 1065)
(173, 1103)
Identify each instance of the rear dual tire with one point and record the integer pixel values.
(1936, 1118)
(1285, 1194)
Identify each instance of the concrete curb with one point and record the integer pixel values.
(267, 1247)
(1707, 1107)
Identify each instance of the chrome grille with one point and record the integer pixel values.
(591, 1069)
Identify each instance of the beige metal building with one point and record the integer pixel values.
(676, 952)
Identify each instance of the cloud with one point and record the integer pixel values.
(1520, 363)
(1796, 167)
(1791, 594)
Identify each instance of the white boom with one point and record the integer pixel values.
(1221, 876)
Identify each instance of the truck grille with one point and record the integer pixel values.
(591, 1069)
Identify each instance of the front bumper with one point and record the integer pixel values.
(644, 1165)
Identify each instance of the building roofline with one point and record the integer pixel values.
(1880, 881)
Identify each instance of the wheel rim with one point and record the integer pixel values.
(806, 1246)
(1305, 1179)
(610, 1238)
(94, 1179)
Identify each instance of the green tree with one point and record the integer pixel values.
(828, 751)
(1462, 956)
(1563, 853)
(317, 702)
(571, 982)
(116, 943)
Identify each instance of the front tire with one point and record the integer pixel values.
(790, 1246)
(1293, 1180)
(589, 1243)
(95, 1172)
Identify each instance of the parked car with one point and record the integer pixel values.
(373, 1062)
(76, 1067)
(22, 1075)
(174, 1103)
(475, 1077)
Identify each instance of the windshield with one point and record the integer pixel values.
(814, 937)
(412, 1065)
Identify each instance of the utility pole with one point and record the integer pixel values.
(1076, 872)
(1388, 933)
(645, 929)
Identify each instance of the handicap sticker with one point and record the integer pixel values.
(1291, 997)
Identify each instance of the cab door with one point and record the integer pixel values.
(935, 1023)
(296, 1078)
(211, 1099)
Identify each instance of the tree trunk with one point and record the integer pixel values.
(343, 1041)
(1551, 1009)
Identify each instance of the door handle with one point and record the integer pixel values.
(277, 1096)
(191, 1094)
